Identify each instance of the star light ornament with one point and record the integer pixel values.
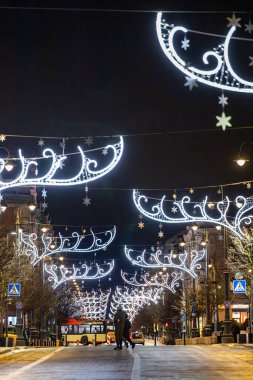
(185, 43)
(191, 83)
(223, 121)
(251, 61)
(221, 215)
(88, 171)
(221, 75)
(249, 27)
(234, 21)
(41, 142)
(141, 225)
(38, 248)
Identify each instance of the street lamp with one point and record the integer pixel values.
(9, 164)
(241, 159)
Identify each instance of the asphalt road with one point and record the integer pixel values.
(231, 362)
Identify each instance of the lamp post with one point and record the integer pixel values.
(227, 336)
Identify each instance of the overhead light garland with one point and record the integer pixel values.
(201, 211)
(85, 174)
(93, 304)
(37, 248)
(187, 261)
(169, 281)
(132, 300)
(62, 274)
(222, 76)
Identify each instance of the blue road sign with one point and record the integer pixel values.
(14, 290)
(239, 286)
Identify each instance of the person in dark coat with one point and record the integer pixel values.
(119, 322)
(126, 332)
(235, 329)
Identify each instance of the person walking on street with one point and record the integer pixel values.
(119, 322)
(126, 332)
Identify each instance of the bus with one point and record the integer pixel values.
(111, 331)
(84, 331)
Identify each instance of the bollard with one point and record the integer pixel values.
(57, 343)
(108, 340)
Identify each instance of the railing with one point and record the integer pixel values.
(42, 342)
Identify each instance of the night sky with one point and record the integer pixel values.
(70, 73)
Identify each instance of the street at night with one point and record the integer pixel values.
(144, 363)
(126, 204)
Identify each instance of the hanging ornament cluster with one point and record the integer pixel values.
(221, 76)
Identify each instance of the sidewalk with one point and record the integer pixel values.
(5, 350)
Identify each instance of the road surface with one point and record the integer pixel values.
(230, 362)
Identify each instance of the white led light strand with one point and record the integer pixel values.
(132, 300)
(222, 76)
(93, 304)
(202, 213)
(185, 261)
(38, 248)
(86, 173)
(62, 274)
(164, 281)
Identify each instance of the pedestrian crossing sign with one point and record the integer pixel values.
(239, 286)
(14, 290)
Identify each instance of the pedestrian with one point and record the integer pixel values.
(126, 332)
(119, 322)
(235, 329)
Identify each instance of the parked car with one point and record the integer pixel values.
(137, 337)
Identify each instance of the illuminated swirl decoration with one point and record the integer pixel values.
(59, 275)
(133, 300)
(89, 168)
(163, 281)
(39, 248)
(185, 261)
(93, 305)
(222, 76)
(202, 212)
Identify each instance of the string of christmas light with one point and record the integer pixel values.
(200, 212)
(186, 261)
(61, 274)
(222, 76)
(169, 281)
(86, 173)
(93, 304)
(37, 248)
(132, 300)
